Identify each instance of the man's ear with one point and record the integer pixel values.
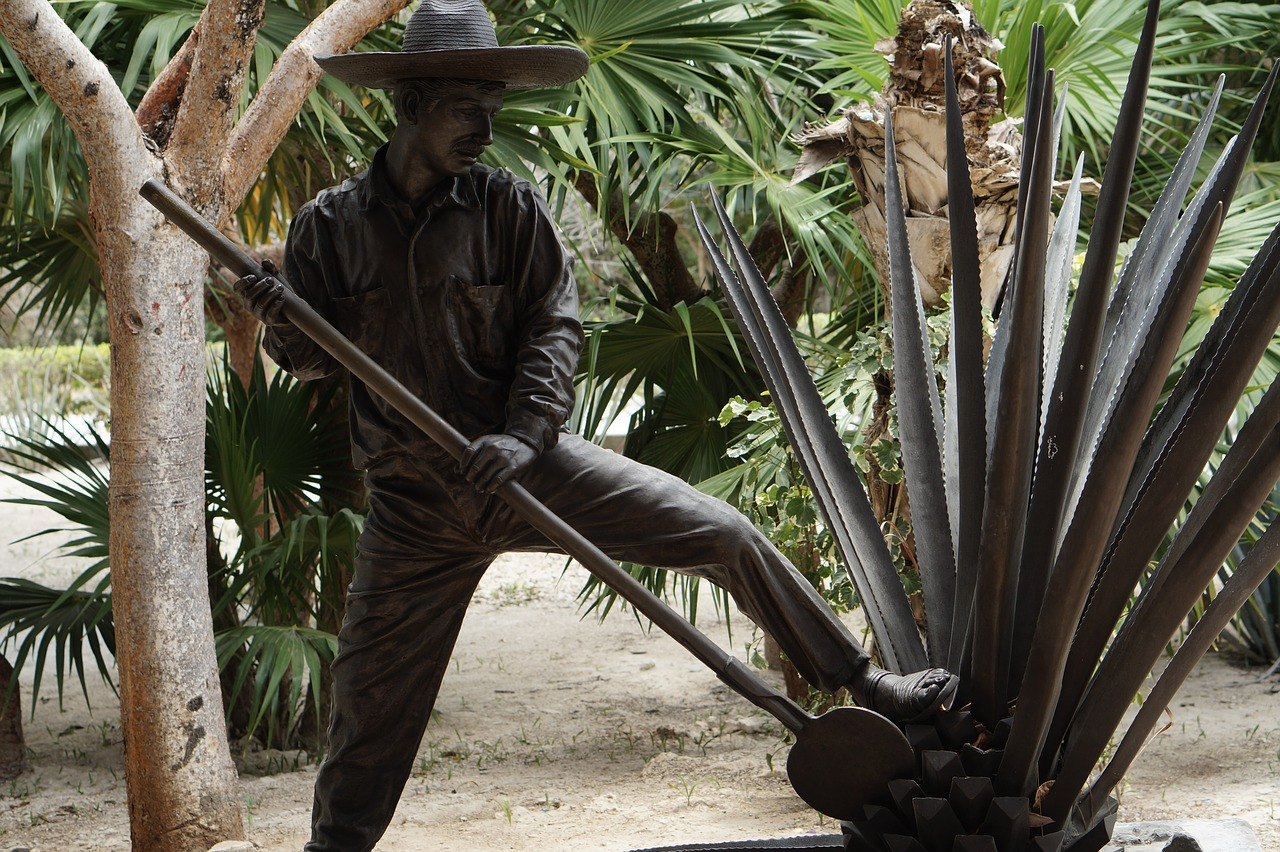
(408, 103)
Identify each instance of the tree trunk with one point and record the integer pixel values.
(13, 747)
(182, 784)
(914, 93)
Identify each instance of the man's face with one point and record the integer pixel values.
(457, 130)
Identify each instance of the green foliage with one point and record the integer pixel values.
(286, 533)
(55, 625)
(771, 490)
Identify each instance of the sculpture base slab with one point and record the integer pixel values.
(1190, 835)
(1187, 835)
(820, 843)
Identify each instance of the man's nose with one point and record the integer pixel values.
(484, 129)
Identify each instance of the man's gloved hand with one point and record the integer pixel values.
(264, 295)
(491, 460)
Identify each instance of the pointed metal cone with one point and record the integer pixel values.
(979, 761)
(1187, 568)
(1082, 549)
(1014, 431)
(1049, 842)
(936, 824)
(956, 729)
(881, 820)
(1065, 417)
(970, 797)
(902, 792)
(922, 738)
(1257, 565)
(900, 843)
(919, 417)
(966, 413)
(976, 843)
(822, 455)
(1008, 821)
(938, 769)
(861, 835)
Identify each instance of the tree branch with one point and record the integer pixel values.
(212, 98)
(88, 97)
(75, 79)
(282, 95)
(158, 109)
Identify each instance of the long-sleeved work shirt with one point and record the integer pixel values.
(469, 301)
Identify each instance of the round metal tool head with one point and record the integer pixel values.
(845, 758)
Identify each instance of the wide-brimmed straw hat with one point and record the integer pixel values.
(456, 38)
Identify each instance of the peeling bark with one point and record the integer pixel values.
(158, 109)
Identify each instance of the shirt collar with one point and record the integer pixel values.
(462, 190)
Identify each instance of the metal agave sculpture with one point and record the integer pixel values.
(1042, 489)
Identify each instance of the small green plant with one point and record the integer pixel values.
(686, 787)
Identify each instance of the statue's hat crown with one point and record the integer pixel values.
(456, 38)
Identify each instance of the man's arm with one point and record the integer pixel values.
(306, 257)
(551, 338)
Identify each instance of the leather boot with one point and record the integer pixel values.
(903, 698)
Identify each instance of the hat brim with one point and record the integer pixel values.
(519, 66)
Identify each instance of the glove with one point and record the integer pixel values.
(264, 296)
(491, 460)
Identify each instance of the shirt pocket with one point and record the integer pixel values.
(363, 319)
(483, 329)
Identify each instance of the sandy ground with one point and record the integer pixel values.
(558, 732)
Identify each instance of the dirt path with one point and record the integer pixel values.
(556, 732)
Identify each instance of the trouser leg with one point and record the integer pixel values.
(636, 513)
(403, 617)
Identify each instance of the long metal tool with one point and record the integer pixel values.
(840, 761)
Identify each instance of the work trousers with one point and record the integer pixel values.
(424, 548)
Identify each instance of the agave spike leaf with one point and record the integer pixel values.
(1158, 229)
(1136, 291)
(821, 452)
(1058, 118)
(1258, 564)
(1082, 548)
(1225, 509)
(919, 417)
(1032, 578)
(1064, 421)
(1171, 458)
(1013, 429)
(1000, 346)
(966, 426)
(1218, 187)
(1062, 247)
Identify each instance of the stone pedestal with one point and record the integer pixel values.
(1190, 835)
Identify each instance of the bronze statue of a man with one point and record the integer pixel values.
(452, 276)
